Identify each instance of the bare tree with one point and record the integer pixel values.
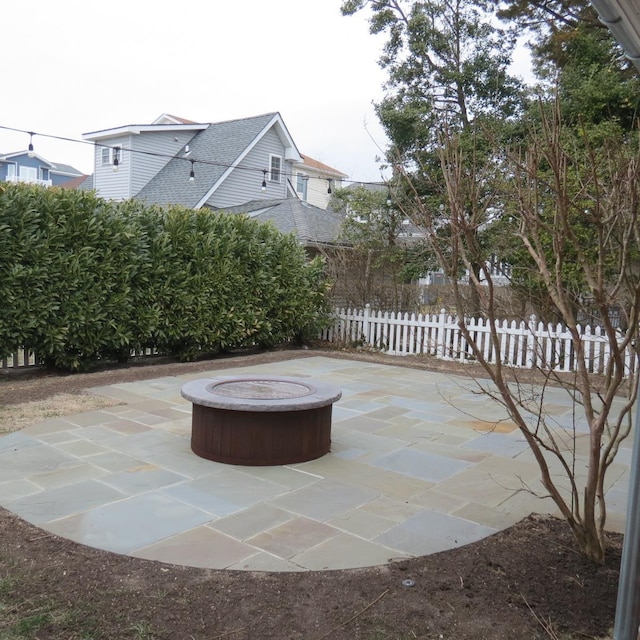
(573, 207)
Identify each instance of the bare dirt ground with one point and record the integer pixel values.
(526, 582)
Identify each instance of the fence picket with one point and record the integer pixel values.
(525, 344)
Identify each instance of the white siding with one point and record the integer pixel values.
(244, 185)
(317, 186)
(166, 143)
(110, 184)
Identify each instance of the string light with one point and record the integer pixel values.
(389, 201)
(192, 174)
(264, 180)
(174, 157)
(116, 161)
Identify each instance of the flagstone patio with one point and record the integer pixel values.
(420, 462)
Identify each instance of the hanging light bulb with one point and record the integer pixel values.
(116, 161)
(389, 201)
(31, 152)
(192, 174)
(264, 180)
(329, 187)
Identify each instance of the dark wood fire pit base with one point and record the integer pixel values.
(260, 420)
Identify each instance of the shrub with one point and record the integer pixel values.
(83, 279)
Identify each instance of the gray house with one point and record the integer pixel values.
(176, 161)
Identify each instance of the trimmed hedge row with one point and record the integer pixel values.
(84, 279)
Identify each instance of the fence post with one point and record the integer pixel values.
(532, 339)
(366, 325)
(440, 336)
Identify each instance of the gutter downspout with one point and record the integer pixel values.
(623, 29)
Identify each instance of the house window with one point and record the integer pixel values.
(301, 185)
(11, 170)
(108, 155)
(275, 168)
(28, 174)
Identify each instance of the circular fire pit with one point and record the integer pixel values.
(260, 420)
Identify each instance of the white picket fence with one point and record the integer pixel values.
(21, 358)
(527, 345)
(27, 358)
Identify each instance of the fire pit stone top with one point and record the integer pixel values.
(260, 393)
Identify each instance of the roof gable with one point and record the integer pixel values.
(216, 152)
(167, 118)
(18, 154)
(271, 120)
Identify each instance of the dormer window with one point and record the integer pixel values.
(275, 168)
(108, 155)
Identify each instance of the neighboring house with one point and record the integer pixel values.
(26, 166)
(217, 165)
(313, 226)
(176, 161)
(314, 181)
(500, 273)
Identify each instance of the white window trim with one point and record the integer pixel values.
(280, 170)
(105, 156)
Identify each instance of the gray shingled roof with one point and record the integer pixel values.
(66, 169)
(218, 147)
(311, 225)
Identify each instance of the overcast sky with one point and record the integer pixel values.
(74, 66)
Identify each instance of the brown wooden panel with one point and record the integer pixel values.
(257, 438)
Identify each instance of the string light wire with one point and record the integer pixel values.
(118, 149)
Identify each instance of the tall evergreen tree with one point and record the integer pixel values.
(447, 62)
(448, 72)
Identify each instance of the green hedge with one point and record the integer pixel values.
(83, 279)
